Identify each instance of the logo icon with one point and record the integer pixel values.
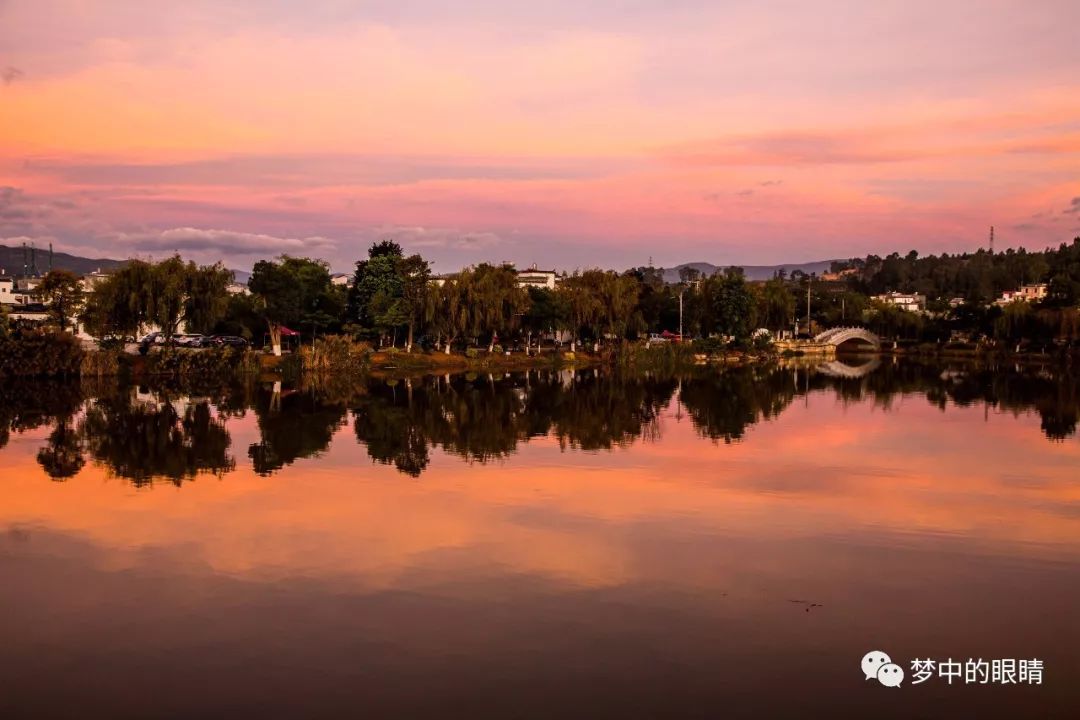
(876, 664)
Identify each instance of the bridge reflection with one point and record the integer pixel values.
(840, 369)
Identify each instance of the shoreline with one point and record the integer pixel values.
(358, 361)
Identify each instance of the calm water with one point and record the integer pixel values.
(550, 545)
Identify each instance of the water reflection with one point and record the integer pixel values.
(143, 436)
(292, 424)
(481, 419)
(638, 546)
(177, 432)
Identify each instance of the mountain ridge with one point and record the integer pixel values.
(11, 261)
(752, 272)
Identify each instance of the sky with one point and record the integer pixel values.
(565, 133)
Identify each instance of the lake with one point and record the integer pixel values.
(551, 544)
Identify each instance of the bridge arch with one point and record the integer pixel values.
(838, 336)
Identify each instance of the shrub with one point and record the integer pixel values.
(40, 353)
(497, 349)
(214, 362)
(336, 354)
(709, 345)
(472, 353)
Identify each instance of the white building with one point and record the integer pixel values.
(537, 278)
(235, 288)
(912, 302)
(7, 290)
(1026, 293)
(341, 279)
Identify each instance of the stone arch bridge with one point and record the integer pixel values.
(840, 335)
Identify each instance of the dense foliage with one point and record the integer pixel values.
(40, 353)
(164, 294)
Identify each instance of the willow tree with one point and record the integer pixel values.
(619, 298)
(775, 304)
(496, 303)
(117, 306)
(164, 294)
(449, 308)
(582, 304)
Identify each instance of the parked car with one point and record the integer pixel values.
(154, 338)
(191, 340)
(228, 341)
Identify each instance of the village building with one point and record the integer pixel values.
(1026, 293)
(912, 302)
(537, 278)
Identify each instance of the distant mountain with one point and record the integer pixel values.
(11, 260)
(753, 272)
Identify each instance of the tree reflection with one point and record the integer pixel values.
(176, 432)
(141, 438)
(723, 405)
(62, 457)
(292, 424)
(485, 418)
(30, 405)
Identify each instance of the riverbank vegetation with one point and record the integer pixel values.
(393, 303)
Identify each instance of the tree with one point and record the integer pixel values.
(206, 296)
(776, 304)
(547, 311)
(63, 296)
(389, 291)
(495, 301)
(729, 306)
(584, 309)
(294, 291)
(164, 294)
(117, 306)
(450, 317)
(415, 274)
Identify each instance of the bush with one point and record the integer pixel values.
(497, 349)
(40, 353)
(214, 362)
(472, 353)
(336, 354)
(709, 346)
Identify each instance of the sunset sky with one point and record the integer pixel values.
(564, 133)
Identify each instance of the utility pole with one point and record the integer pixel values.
(808, 281)
(991, 239)
(681, 291)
